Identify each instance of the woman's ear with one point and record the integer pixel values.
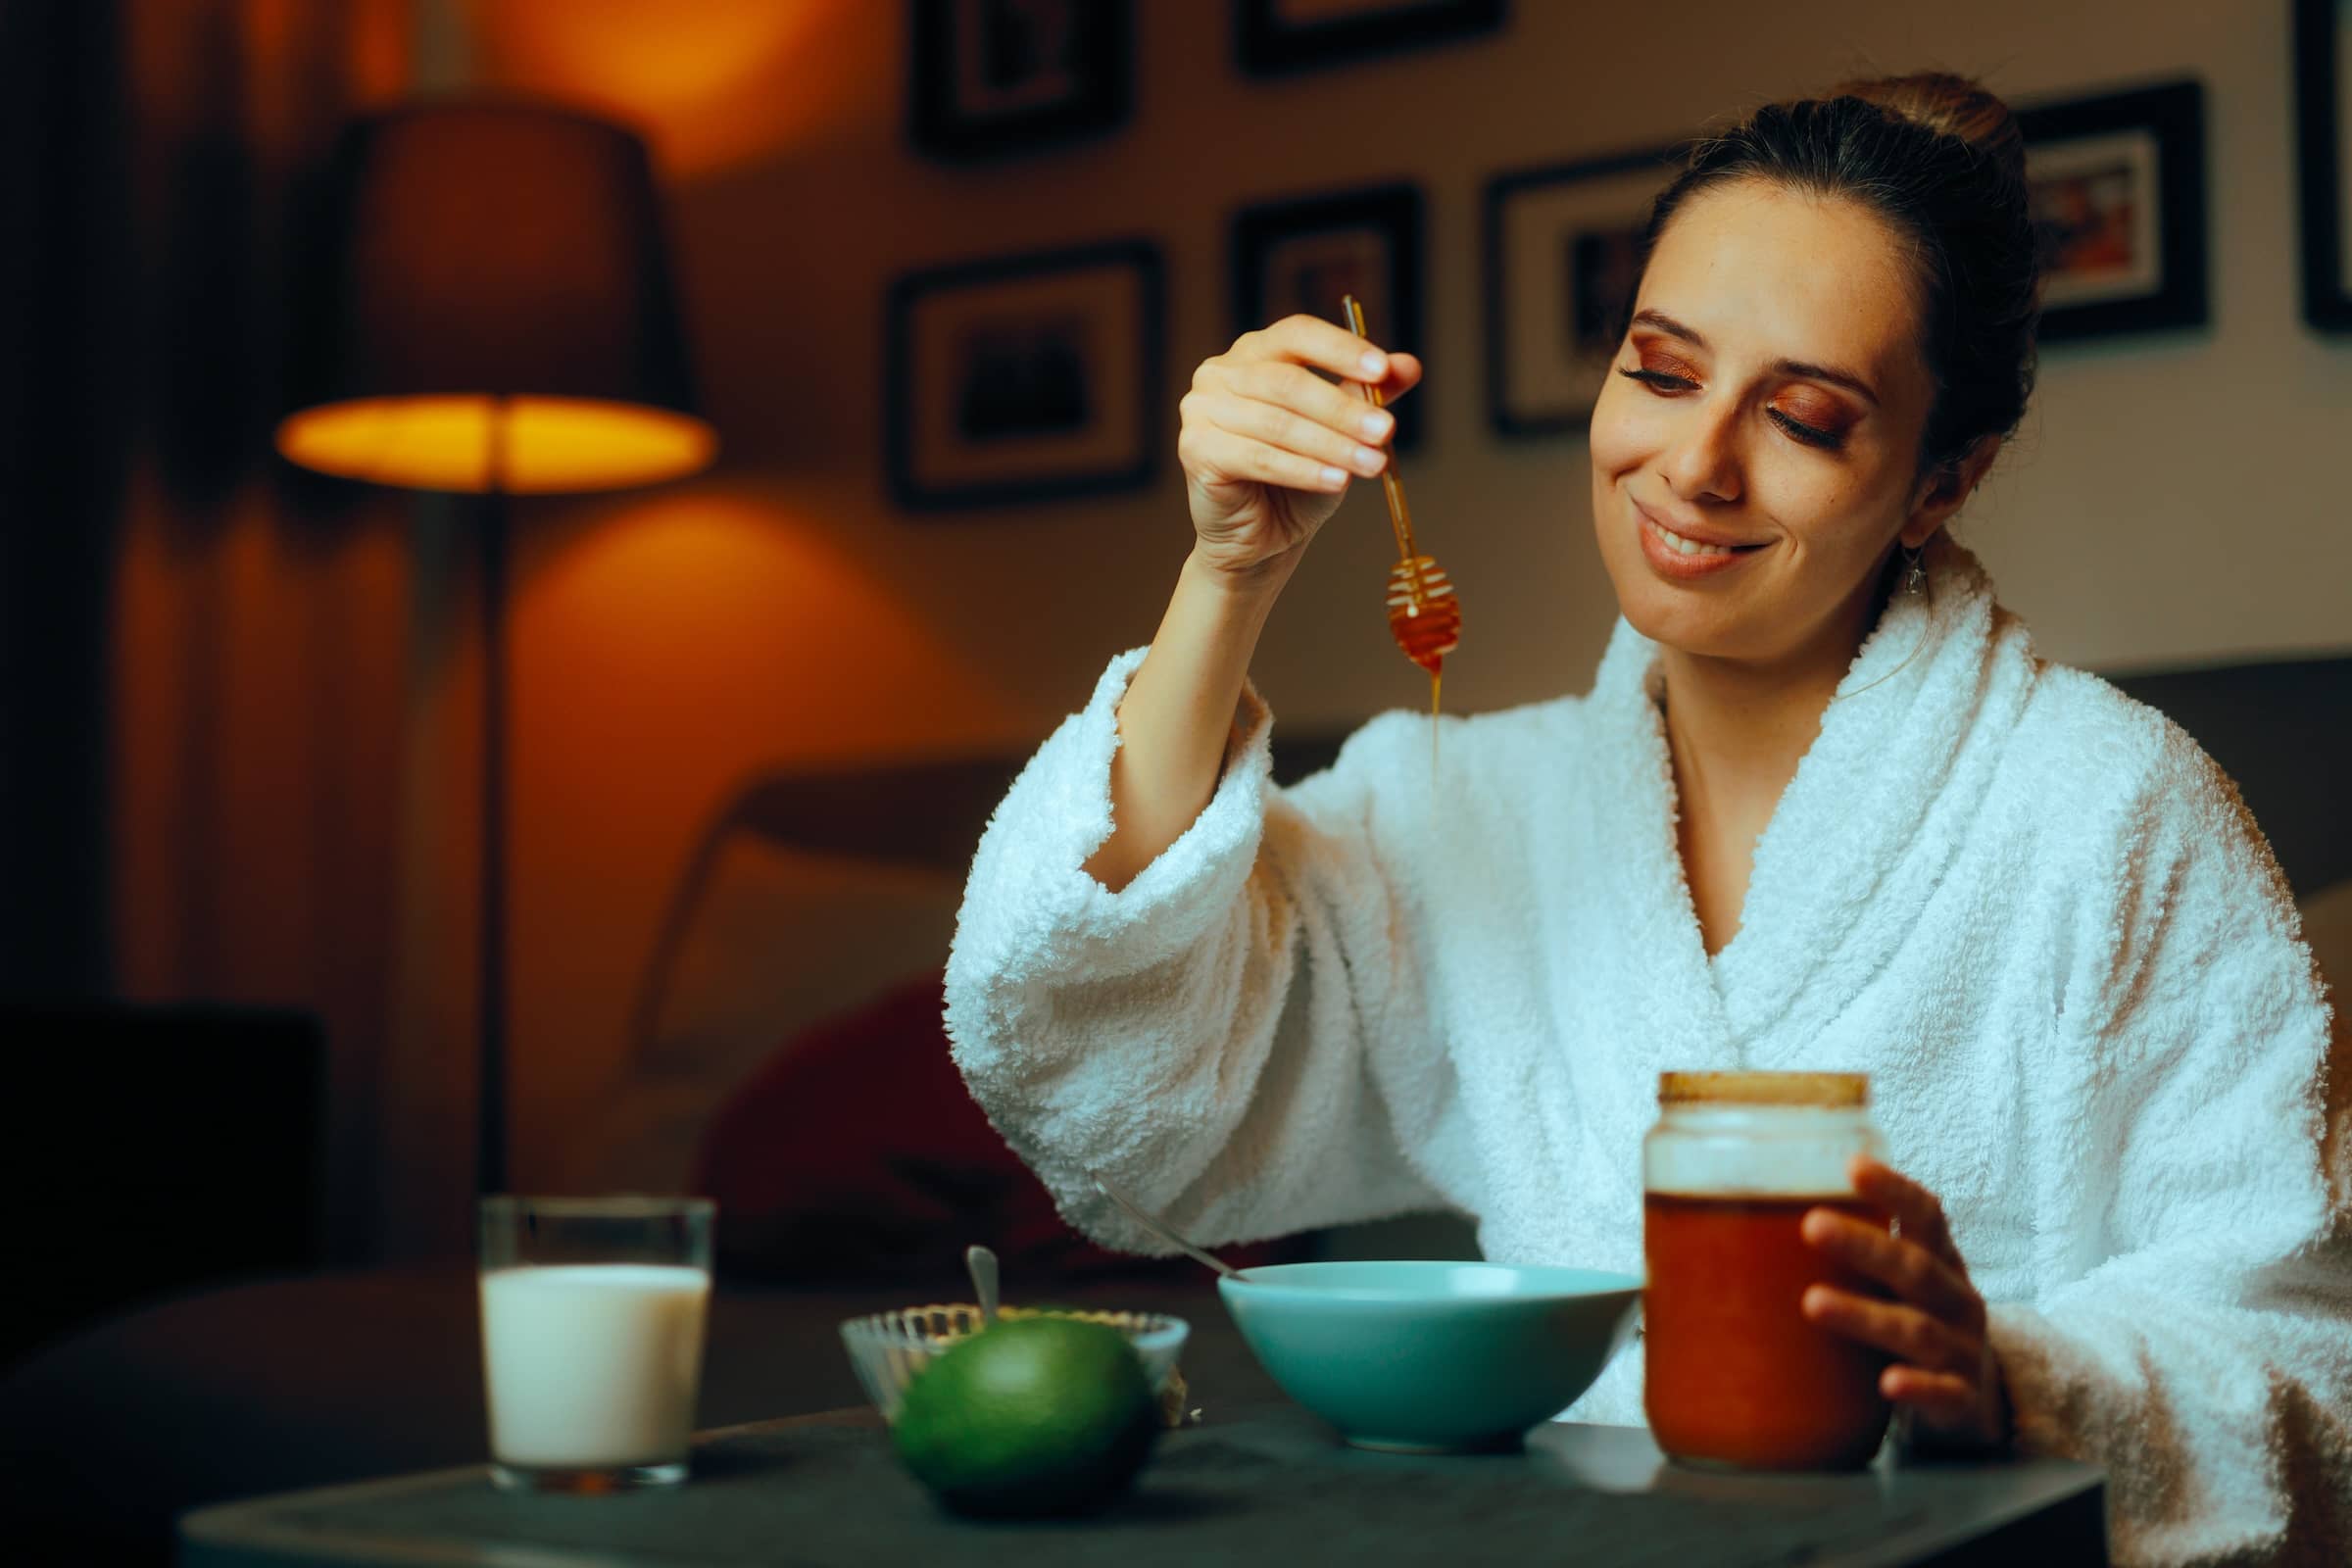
(1945, 490)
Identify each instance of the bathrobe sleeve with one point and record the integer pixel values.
(2192, 1156)
(1207, 1037)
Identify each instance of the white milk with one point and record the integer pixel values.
(592, 1365)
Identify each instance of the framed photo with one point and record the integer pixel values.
(2324, 159)
(994, 76)
(1303, 257)
(1563, 254)
(2118, 189)
(1278, 36)
(1025, 377)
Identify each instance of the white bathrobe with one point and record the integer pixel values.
(2031, 910)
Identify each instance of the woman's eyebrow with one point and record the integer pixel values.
(1798, 368)
(1670, 327)
(1824, 372)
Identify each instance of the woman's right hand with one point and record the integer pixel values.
(1269, 448)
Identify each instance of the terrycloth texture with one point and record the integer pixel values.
(2031, 910)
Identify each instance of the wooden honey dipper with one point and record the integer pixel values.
(1424, 616)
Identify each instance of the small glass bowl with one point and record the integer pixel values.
(889, 1349)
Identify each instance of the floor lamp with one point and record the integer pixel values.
(489, 310)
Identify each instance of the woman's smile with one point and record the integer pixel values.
(1695, 551)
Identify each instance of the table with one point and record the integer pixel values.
(279, 1385)
(1265, 1484)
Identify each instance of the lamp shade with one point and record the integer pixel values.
(492, 309)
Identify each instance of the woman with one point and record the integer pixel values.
(1823, 807)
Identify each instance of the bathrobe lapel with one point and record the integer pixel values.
(1860, 837)
(1669, 1016)
(1880, 805)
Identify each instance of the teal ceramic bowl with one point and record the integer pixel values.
(1432, 1358)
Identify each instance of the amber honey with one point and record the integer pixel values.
(1425, 619)
(1735, 1373)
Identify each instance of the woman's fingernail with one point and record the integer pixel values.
(1374, 426)
(1367, 460)
(1374, 362)
(1335, 478)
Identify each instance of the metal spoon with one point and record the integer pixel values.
(981, 1263)
(1160, 1228)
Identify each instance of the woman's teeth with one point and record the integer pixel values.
(1689, 547)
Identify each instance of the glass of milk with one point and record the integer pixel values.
(592, 1338)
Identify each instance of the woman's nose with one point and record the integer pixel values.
(1704, 465)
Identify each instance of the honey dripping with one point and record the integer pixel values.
(1426, 620)
(1423, 615)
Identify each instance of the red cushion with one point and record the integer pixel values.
(857, 1152)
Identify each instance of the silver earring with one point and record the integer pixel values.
(1915, 575)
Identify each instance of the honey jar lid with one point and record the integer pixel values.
(1826, 1090)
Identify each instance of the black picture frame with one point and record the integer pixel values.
(1271, 45)
(2320, 166)
(1325, 238)
(1552, 328)
(969, 98)
(2111, 266)
(1025, 377)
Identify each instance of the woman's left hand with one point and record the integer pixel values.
(1945, 1372)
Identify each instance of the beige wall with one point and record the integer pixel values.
(2171, 500)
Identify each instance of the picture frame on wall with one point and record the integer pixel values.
(2117, 184)
(1302, 257)
(1563, 254)
(1024, 378)
(991, 77)
(1281, 37)
(2324, 159)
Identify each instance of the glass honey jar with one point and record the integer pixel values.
(1735, 1373)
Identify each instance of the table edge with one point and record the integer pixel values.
(250, 1524)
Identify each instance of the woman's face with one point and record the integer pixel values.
(1755, 450)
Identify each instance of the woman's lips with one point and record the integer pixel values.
(1682, 556)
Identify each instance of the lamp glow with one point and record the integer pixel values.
(447, 442)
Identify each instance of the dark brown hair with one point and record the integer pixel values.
(1940, 160)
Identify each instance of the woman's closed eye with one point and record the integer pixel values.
(1660, 369)
(1810, 429)
(1809, 415)
(1812, 435)
(1658, 380)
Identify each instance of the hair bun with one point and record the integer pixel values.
(1951, 106)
